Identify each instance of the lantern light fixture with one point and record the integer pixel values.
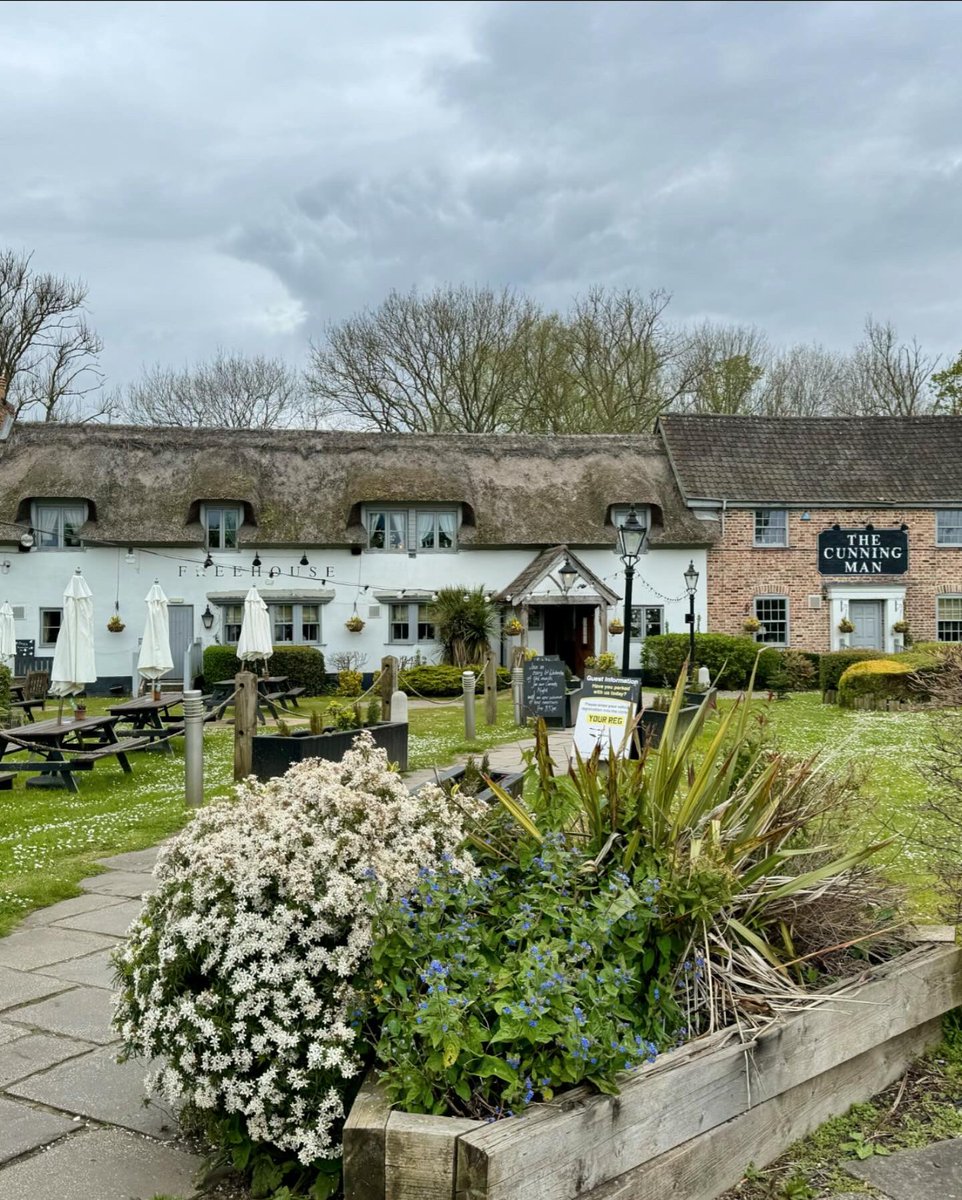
(207, 618)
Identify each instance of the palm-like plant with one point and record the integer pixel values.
(465, 622)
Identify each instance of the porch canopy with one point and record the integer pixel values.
(539, 583)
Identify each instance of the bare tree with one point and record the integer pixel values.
(48, 353)
(888, 377)
(453, 360)
(723, 367)
(804, 381)
(231, 391)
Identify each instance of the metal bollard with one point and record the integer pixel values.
(193, 749)
(517, 694)
(467, 686)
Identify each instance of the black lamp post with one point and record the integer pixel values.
(691, 583)
(632, 541)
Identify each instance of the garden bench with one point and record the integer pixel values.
(119, 749)
(27, 707)
(292, 694)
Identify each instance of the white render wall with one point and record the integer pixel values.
(37, 580)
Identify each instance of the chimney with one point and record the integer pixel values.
(8, 414)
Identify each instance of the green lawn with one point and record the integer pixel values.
(49, 839)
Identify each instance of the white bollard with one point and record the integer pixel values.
(193, 749)
(704, 677)
(399, 707)
(467, 686)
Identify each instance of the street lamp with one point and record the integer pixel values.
(691, 584)
(632, 542)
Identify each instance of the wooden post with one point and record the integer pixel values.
(490, 691)
(602, 614)
(388, 685)
(245, 721)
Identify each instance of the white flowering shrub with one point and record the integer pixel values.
(239, 972)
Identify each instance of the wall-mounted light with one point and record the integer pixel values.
(26, 540)
(5, 566)
(130, 557)
(568, 574)
(207, 618)
(257, 560)
(208, 561)
(303, 560)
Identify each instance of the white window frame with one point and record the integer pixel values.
(413, 623)
(228, 625)
(47, 517)
(957, 596)
(231, 629)
(769, 545)
(956, 523)
(408, 518)
(760, 635)
(642, 610)
(42, 644)
(207, 510)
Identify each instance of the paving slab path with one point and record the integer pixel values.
(74, 1123)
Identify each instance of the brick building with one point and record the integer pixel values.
(823, 522)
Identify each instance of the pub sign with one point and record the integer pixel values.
(865, 551)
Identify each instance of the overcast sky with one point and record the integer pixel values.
(241, 173)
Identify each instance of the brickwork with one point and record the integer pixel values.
(738, 571)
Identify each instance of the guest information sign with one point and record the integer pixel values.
(865, 551)
(606, 714)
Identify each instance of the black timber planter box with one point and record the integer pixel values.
(272, 754)
(511, 781)
(652, 723)
(694, 697)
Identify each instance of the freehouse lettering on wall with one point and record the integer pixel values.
(866, 551)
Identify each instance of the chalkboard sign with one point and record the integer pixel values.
(544, 688)
(26, 648)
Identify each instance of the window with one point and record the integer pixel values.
(283, 615)
(535, 622)
(619, 514)
(436, 530)
(948, 618)
(221, 525)
(418, 617)
(647, 621)
(948, 527)
(400, 623)
(772, 611)
(233, 619)
(425, 623)
(310, 623)
(387, 529)
(391, 529)
(50, 620)
(771, 527)
(56, 526)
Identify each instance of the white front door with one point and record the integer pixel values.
(866, 616)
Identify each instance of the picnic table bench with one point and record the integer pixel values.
(148, 718)
(64, 746)
(271, 693)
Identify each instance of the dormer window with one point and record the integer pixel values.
(221, 523)
(619, 514)
(56, 523)
(417, 530)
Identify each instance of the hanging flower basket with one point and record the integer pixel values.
(354, 624)
(513, 628)
(616, 626)
(900, 627)
(846, 626)
(751, 625)
(115, 624)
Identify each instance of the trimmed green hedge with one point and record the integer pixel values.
(884, 678)
(833, 666)
(439, 679)
(303, 666)
(5, 677)
(729, 659)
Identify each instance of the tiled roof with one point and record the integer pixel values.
(817, 460)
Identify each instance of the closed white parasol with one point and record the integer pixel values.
(155, 658)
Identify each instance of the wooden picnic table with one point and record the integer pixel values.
(270, 690)
(62, 747)
(145, 717)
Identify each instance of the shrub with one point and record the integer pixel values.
(238, 973)
(832, 666)
(800, 669)
(465, 623)
(303, 666)
(349, 683)
(602, 663)
(729, 659)
(341, 715)
(5, 695)
(373, 713)
(898, 677)
(442, 680)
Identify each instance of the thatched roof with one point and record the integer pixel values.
(862, 461)
(304, 488)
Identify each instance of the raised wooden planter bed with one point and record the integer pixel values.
(273, 755)
(652, 722)
(511, 781)
(687, 1125)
